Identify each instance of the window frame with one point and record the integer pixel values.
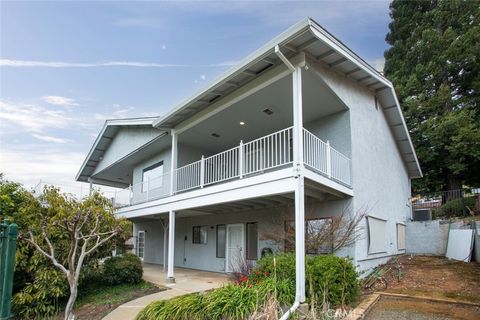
(247, 241)
(200, 228)
(222, 255)
(150, 168)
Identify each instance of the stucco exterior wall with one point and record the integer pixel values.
(125, 141)
(427, 237)
(380, 181)
(336, 129)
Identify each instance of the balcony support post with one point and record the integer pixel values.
(171, 247)
(329, 160)
(300, 186)
(173, 164)
(202, 172)
(240, 159)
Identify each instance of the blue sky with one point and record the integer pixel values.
(68, 66)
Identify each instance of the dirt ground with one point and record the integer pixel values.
(389, 308)
(436, 277)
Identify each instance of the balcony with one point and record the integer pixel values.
(265, 154)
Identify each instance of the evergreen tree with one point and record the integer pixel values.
(434, 63)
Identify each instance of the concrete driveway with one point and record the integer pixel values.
(187, 281)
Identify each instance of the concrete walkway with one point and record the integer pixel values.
(187, 281)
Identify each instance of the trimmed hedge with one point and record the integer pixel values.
(122, 269)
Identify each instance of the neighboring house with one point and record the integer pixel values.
(303, 122)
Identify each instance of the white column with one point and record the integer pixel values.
(173, 164)
(299, 189)
(171, 246)
(165, 244)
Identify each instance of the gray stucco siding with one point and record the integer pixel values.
(380, 180)
(125, 141)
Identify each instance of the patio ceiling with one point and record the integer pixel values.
(277, 97)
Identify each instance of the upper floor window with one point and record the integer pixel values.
(152, 177)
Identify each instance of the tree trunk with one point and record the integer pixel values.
(71, 301)
(454, 182)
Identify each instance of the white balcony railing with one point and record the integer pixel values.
(254, 157)
(320, 156)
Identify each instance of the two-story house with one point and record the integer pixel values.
(301, 130)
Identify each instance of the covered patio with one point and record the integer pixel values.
(188, 280)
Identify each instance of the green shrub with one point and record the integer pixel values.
(232, 301)
(332, 279)
(123, 269)
(284, 265)
(328, 277)
(455, 207)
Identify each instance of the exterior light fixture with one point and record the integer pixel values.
(242, 123)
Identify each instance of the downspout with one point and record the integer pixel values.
(296, 303)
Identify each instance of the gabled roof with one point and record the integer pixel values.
(309, 37)
(103, 140)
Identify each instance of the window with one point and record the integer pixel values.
(152, 177)
(200, 234)
(252, 241)
(221, 240)
(377, 236)
(318, 236)
(401, 236)
(141, 244)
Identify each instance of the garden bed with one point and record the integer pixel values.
(100, 300)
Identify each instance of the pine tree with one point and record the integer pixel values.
(434, 63)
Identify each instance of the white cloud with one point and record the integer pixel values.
(30, 164)
(61, 64)
(60, 101)
(32, 118)
(118, 112)
(48, 138)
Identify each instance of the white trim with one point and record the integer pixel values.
(109, 123)
(276, 182)
(171, 245)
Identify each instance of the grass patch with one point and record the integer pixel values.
(104, 294)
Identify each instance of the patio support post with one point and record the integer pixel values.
(171, 246)
(299, 189)
(173, 165)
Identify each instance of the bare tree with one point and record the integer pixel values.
(323, 234)
(82, 227)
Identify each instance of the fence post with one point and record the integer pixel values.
(329, 160)
(8, 248)
(202, 171)
(240, 160)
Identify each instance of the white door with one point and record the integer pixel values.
(235, 247)
(141, 244)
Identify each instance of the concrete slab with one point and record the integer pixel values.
(187, 281)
